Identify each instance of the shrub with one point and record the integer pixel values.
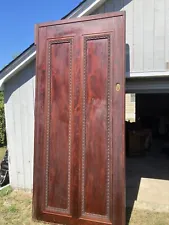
(2, 121)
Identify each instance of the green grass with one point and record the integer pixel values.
(5, 191)
(2, 152)
(16, 208)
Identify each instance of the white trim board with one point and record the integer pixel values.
(87, 8)
(17, 69)
(147, 74)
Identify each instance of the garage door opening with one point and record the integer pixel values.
(147, 150)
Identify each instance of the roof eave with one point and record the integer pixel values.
(7, 75)
(84, 9)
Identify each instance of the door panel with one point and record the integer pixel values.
(59, 126)
(96, 128)
(79, 173)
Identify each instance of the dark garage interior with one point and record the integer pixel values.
(147, 152)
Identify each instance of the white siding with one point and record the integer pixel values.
(147, 32)
(138, 36)
(10, 128)
(129, 37)
(118, 5)
(19, 110)
(159, 23)
(109, 7)
(101, 9)
(167, 31)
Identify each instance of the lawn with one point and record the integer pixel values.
(2, 152)
(15, 208)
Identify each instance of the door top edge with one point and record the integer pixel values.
(81, 19)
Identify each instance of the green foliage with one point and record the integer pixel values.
(2, 152)
(2, 121)
(5, 191)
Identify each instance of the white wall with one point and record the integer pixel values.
(19, 110)
(147, 32)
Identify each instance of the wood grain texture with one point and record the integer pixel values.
(118, 154)
(39, 155)
(95, 130)
(59, 126)
(78, 155)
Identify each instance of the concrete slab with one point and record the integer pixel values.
(151, 206)
(154, 191)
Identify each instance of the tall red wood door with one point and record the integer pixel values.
(79, 166)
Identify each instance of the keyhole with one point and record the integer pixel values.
(117, 87)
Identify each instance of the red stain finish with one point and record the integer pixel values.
(59, 126)
(96, 126)
(79, 167)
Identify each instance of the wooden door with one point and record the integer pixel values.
(79, 167)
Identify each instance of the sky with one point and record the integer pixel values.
(17, 20)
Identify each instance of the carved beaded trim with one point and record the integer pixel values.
(70, 41)
(109, 100)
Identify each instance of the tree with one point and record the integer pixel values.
(2, 121)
